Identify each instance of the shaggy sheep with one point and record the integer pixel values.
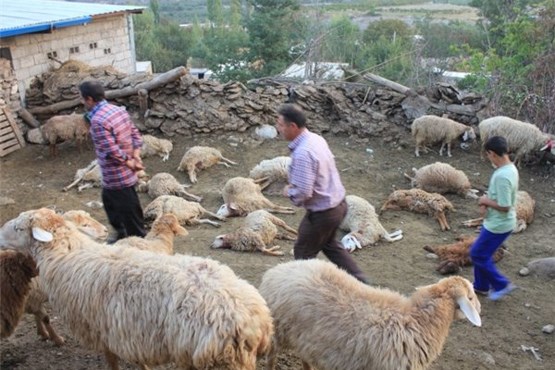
(160, 237)
(165, 184)
(333, 322)
(525, 205)
(243, 195)
(271, 170)
(87, 224)
(91, 176)
(65, 127)
(16, 271)
(201, 157)
(365, 228)
(187, 213)
(146, 308)
(434, 129)
(259, 230)
(155, 146)
(420, 201)
(442, 178)
(456, 255)
(523, 138)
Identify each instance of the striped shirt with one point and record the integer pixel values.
(313, 177)
(115, 137)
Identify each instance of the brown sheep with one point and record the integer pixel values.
(65, 127)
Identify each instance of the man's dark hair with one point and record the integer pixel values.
(92, 89)
(498, 145)
(292, 113)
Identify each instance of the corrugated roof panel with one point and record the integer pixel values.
(27, 16)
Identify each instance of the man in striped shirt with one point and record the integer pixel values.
(117, 143)
(314, 184)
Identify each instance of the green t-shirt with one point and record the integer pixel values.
(502, 188)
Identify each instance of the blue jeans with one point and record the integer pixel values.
(486, 275)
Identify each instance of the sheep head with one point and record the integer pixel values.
(86, 224)
(221, 241)
(229, 210)
(30, 226)
(350, 242)
(168, 221)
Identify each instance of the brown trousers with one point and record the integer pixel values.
(317, 233)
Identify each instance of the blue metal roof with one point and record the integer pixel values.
(19, 17)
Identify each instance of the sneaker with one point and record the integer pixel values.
(484, 293)
(497, 295)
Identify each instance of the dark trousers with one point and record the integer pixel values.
(486, 275)
(124, 211)
(317, 233)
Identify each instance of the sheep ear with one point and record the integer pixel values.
(469, 311)
(42, 235)
(465, 136)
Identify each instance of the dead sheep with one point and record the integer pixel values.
(258, 232)
(275, 170)
(164, 183)
(543, 267)
(243, 195)
(156, 146)
(431, 129)
(199, 158)
(91, 177)
(187, 213)
(63, 128)
(331, 321)
(420, 201)
(363, 225)
(442, 178)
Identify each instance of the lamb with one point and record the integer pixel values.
(164, 183)
(272, 170)
(258, 231)
(145, 308)
(523, 138)
(525, 205)
(442, 178)
(365, 228)
(201, 157)
(432, 129)
(16, 271)
(63, 128)
(420, 201)
(187, 213)
(243, 195)
(91, 176)
(86, 224)
(155, 146)
(333, 322)
(160, 237)
(456, 255)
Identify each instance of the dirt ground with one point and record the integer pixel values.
(33, 180)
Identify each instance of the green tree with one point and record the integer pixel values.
(155, 9)
(341, 41)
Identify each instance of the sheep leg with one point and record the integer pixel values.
(166, 157)
(416, 152)
(54, 337)
(306, 366)
(228, 161)
(443, 221)
(272, 251)
(192, 175)
(204, 221)
(73, 183)
(279, 222)
(194, 197)
(473, 222)
(211, 214)
(441, 149)
(41, 329)
(111, 359)
(285, 236)
(263, 182)
(449, 150)
(84, 186)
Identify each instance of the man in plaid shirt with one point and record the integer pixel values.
(117, 143)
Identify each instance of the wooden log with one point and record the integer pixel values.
(388, 83)
(28, 118)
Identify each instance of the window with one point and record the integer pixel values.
(52, 55)
(93, 45)
(108, 51)
(74, 50)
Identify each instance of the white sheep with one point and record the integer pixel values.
(164, 183)
(258, 232)
(433, 129)
(272, 170)
(201, 157)
(63, 128)
(333, 322)
(420, 201)
(187, 213)
(145, 308)
(155, 146)
(91, 176)
(442, 178)
(522, 138)
(243, 195)
(363, 225)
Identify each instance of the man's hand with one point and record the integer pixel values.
(285, 190)
(135, 164)
(483, 211)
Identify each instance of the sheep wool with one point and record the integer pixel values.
(164, 183)
(201, 157)
(442, 178)
(63, 128)
(431, 129)
(272, 170)
(155, 146)
(187, 213)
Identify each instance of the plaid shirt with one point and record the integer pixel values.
(313, 176)
(115, 137)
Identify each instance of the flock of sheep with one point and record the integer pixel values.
(149, 306)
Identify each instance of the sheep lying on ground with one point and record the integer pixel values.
(165, 184)
(420, 201)
(544, 267)
(272, 170)
(201, 157)
(91, 176)
(63, 128)
(524, 213)
(160, 237)
(442, 178)
(187, 213)
(365, 228)
(434, 129)
(259, 230)
(16, 271)
(333, 322)
(155, 146)
(243, 195)
(456, 255)
(146, 308)
(523, 138)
